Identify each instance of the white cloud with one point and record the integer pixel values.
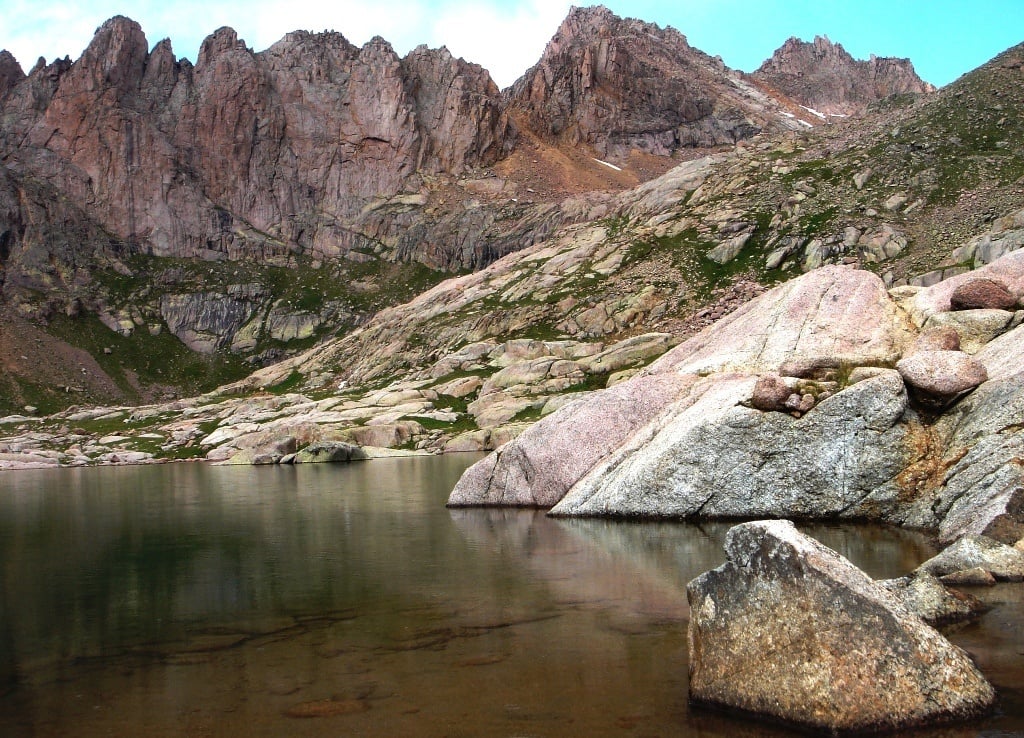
(505, 39)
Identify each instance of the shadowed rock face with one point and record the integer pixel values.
(618, 84)
(788, 628)
(823, 76)
(10, 72)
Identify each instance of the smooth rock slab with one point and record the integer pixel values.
(974, 328)
(788, 628)
(537, 468)
(829, 318)
(709, 456)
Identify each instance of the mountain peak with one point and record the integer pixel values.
(10, 72)
(222, 40)
(622, 85)
(822, 75)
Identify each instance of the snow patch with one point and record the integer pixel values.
(610, 166)
(814, 112)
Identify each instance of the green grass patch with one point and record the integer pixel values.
(288, 384)
(154, 360)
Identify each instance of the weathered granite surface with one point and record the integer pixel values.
(789, 629)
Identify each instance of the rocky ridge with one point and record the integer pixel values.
(622, 85)
(822, 76)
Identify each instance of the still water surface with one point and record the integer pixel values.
(346, 600)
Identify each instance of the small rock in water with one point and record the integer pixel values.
(327, 708)
(1003, 562)
(976, 577)
(928, 598)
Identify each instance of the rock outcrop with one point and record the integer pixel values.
(927, 597)
(620, 84)
(816, 324)
(838, 435)
(10, 72)
(823, 76)
(1004, 563)
(789, 629)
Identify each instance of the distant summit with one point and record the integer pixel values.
(619, 84)
(822, 75)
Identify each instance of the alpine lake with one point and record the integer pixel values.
(347, 600)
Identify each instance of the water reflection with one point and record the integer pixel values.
(196, 600)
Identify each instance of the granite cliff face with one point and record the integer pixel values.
(247, 155)
(823, 76)
(619, 85)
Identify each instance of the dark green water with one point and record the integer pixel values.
(344, 600)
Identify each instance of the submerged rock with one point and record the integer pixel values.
(788, 628)
(328, 452)
(976, 577)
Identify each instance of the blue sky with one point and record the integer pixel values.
(944, 38)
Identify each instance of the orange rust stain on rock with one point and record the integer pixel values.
(927, 471)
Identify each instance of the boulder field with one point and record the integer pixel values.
(825, 397)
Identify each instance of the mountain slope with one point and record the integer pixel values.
(918, 190)
(226, 215)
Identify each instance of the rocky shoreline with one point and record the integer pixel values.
(830, 398)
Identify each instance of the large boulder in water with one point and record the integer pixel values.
(788, 628)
